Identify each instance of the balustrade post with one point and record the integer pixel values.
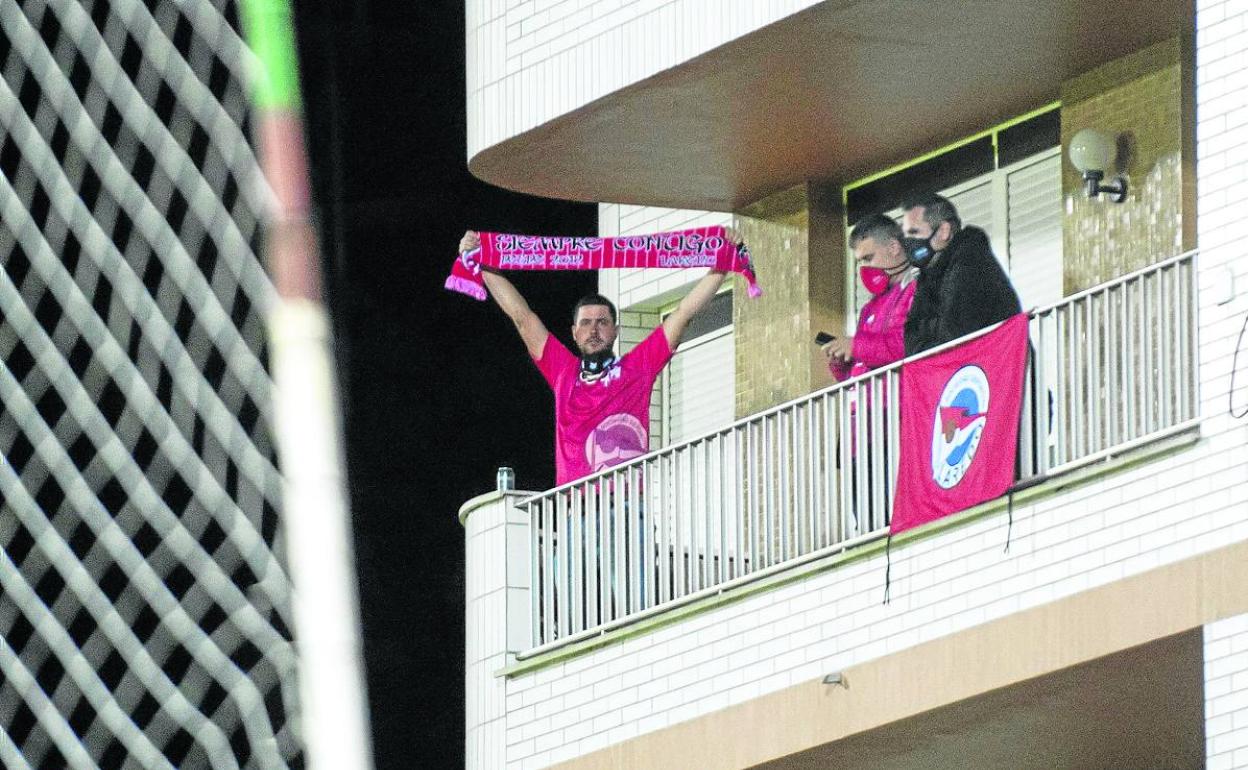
(497, 617)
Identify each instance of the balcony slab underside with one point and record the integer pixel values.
(1141, 707)
(1111, 677)
(834, 92)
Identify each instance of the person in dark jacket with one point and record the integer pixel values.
(961, 287)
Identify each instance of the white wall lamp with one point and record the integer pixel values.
(1094, 152)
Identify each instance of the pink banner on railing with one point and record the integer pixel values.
(959, 425)
(698, 247)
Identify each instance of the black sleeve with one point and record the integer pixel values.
(965, 294)
(922, 322)
(978, 294)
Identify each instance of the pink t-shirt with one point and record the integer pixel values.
(605, 422)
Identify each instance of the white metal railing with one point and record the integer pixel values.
(1110, 367)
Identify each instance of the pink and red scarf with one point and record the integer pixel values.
(698, 247)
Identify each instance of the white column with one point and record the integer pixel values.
(1222, 146)
(1226, 693)
(496, 588)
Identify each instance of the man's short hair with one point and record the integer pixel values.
(878, 227)
(936, 209)
(593, 299)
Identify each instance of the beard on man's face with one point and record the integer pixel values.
(595, 343)
(591, 345)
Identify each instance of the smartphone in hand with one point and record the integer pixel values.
(823, 338)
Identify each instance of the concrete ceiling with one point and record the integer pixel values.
(1137, 709)
(837, 91)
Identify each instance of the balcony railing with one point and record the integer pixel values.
(1111, 367)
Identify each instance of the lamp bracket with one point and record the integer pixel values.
(1117, 190)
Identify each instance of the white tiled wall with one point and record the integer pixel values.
(529, 61)
(1120, 525)
(1222, 184)
(496, 580)
(1226, 694)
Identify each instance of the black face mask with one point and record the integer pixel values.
(594, 364)
(919, 250)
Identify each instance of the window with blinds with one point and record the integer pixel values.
(1018, 203)
(699, 385)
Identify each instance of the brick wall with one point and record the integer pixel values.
(1221, 175)
(797, 239)
(773, 332)
(496, 594)
(1123, 525)
(1226, 693)
(1140, 98)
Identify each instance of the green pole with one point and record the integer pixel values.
(316, 520)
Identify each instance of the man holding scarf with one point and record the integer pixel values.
(961, 287)
(602, 402)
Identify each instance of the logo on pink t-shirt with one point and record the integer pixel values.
(617, 439)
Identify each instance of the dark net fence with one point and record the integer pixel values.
(144, 597)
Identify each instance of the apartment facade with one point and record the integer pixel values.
(719, 602)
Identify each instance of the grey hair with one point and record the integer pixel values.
(878, 227)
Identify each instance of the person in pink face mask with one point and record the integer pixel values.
(886, 272)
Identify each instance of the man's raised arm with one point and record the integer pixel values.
(532, 331)
(697, 298)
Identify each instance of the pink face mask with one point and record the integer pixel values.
(874, 279)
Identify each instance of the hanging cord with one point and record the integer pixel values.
(1239, 341)
(1018, 486)
(888, 566)
(1009, 529)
